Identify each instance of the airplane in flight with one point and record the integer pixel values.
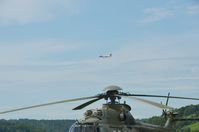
(106, 56)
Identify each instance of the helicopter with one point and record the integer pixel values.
(115, 116)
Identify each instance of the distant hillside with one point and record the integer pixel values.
(191, 111)
(27, 125)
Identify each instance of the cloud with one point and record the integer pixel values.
(155, 15)
(28, 11)
(26, 52)
(193, 9)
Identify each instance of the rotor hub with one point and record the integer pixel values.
(111, 92)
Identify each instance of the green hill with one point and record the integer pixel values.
(194, 127)
(191, 111)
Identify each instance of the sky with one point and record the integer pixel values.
(49, 51)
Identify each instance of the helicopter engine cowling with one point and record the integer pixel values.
(109, 117)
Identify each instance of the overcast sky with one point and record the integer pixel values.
(49, 51)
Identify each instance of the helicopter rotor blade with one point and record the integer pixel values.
(168, 98)
(160, 96)
(86, 104)
(47, 104)
(150, 102)
(164, 112)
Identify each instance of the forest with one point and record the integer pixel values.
(29, 125)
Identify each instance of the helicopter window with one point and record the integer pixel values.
(83, 128)
(109, 129)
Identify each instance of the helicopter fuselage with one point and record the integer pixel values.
(113, 118)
